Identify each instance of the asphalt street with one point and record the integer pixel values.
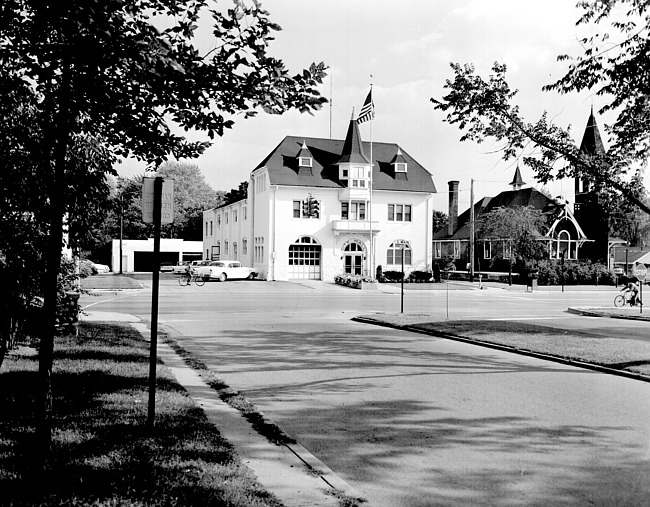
(413, 420)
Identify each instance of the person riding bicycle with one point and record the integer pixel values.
(633, 288)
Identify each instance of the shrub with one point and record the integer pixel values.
(551, 272)
(420, 276)
(393, 276)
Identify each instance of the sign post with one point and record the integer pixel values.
(402, 244)
(640, 271)
(157, 195)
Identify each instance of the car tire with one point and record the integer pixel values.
(251, 276)
(223, 277)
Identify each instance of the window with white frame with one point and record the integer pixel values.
(400, 167)
(260, 183)
(211, 231)
(399, 212)
(234, 215)
(355, 210)
(297, 209)
(507, 250)
(437, 249)
(245, 213)
(244, 246)
(259, 249)
(225, 247)
(225, 216)
(396, 251)
(487, 250)
(219, 220)
(234, 251)
(357, 176)
(305, 161)
(206, 227)
(456, 249)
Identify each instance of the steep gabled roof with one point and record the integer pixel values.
(508, 199)
(352, 147)
(592, 143)
(282, 165)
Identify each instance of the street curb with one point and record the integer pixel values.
(311, 485)
(506, 348)
(593, 312)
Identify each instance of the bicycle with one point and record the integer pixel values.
(626, 299)
(186, 279)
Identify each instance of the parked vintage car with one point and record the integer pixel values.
(226, 270)
(166, 267)
(180, 267)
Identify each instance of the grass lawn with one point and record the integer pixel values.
(617, 353)
(102, 452)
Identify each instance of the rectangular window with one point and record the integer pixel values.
(219, 220)
(244, 246)
(225, 247)
(226, 216)
(399, 212)
(437, 249)
(206, 228)
(210, 227)
(487, 250)
(456, 249)
(245, 213)
(344, 210)
(400, 167)
(297, 206)
(234, 215)
(304, 162)
(507, 250)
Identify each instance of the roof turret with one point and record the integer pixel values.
(352, 147)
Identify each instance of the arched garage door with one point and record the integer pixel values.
(304, 259)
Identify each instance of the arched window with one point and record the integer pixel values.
(394, 254)
(564, 245)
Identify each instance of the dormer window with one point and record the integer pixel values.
(305, 162)
(398, 162)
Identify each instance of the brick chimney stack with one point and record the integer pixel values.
(453, 207)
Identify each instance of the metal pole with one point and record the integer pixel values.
(121, 229)
(402, 302)
(153, 346)
(471, 231)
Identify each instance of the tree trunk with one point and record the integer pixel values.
(59, 138)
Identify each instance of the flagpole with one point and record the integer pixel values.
(371, 256)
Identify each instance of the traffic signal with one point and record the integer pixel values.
(314, 208)
(305, 207)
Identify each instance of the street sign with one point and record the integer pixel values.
(640, 271)
(166, 203)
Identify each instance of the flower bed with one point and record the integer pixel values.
(356, 281)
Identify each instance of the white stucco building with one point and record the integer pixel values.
(313, 207)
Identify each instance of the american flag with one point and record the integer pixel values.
(367, 110)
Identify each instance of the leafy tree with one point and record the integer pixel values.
(520, 226)
(106, 68)
(236, 194)
(440, 220)
(615, 65)
(629, 223)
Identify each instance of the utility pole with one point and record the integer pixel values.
(471, 231)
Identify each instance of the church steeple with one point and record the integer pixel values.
(517, 181)
(592, 144)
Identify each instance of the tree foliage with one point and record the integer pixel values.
(519, 226)
(109, 78)
(616, 70)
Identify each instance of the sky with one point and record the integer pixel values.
(404, 49)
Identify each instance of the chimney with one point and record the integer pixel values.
(453, 208)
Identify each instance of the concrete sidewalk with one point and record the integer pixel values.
(289, 471)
